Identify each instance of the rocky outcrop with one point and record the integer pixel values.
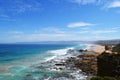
(87, 63)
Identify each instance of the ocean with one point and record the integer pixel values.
(31, 61)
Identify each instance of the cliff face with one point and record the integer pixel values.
(108, 64)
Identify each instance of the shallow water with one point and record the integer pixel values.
(29, 62)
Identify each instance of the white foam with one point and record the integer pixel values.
(50, 58)
(47, 78)
(78, 75)
(60, 55)
(59, 52)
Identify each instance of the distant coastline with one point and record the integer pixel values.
(100, 42)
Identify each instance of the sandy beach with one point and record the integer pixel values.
(97, 48)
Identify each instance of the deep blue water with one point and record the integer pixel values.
(21, 50)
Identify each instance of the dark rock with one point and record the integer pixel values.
(81, 50)
(29, 77)
(40, 67)
(60, 64)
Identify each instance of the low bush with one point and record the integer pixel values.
(103, 78)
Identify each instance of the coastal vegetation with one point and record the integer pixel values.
(116, 48)
(104, 78)
(108, 63)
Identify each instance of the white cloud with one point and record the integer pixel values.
(114, 4)
(104, 31)
(39, 37)
(48, 35)
(79, 24)
(19, 6)
(50, 30)
(105, 4)
(27, 6)
(69, 34)
(83, 2)
(95, 31)
(4, 16)
(15, 32)
(82, 32)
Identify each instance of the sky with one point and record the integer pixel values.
(59, 20)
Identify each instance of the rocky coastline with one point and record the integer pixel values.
(82, 59)
(78, 65)
(87, 61)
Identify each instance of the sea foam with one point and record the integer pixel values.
(57, 53)
(60, 52)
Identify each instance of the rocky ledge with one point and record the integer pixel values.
(85, 62)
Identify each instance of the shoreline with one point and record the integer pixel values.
(77, 63)
(98, 48)
(83, 61)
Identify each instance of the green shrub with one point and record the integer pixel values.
(108, 78)
(102, 78)
(116, 48)
(96, 78)
(118, 78)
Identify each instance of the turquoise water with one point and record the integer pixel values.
(19, 61)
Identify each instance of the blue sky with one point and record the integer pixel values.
(56, 20)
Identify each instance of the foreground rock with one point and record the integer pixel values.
(86, 62)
